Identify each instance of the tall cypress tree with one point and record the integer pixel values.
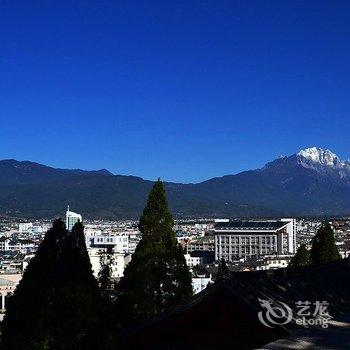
(301, 258)
(324, 248)
(223, 271)
(25, 322)
(105, 280)
(157, 277)
(57, 304)
(78, 305)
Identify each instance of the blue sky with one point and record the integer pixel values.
(184, 90)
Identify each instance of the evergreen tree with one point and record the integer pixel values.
(29, 308)
(57, 304)
(78, 305)
(223, 271)
(157, 276)
(301, 258)
(324, 248)
(105, 275)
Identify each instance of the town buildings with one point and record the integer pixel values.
(8, 284)
(245, 239)
(269, 262)
(246, 244)
(206, 243)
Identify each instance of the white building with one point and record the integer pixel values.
(199, 283)
(274, 262)
(344, 253)
(8, 283)
(246, 239)
(201, 244)
(119, 242)
(21, 245)
(25, 227)
(193, 260)
(4, 244)
(72, 218)
(119, 261)
(14, 244)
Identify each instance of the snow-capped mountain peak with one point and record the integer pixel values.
(320, 156)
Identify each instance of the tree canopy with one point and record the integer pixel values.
(157, 277)
(57, 304)
(223, 271)
(301, 258)
(105, 279)
(324, 248)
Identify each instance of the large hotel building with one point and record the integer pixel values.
(245, 239)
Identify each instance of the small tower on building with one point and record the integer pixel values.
(72, 218)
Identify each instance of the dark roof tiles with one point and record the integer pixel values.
(251, 225)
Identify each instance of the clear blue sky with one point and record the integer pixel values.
(185, 90)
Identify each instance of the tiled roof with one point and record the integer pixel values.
(329, 282)
(250, 225)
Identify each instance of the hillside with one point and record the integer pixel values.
(312, 182)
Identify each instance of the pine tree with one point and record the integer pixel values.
(301, 258)
(105, 273)
(78, 306)
(157, 277)
(324, 248)
(223, 271)
(25, 322)
(57, 304)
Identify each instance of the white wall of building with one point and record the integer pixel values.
(193, 261)
(72, 218)
(200, 283)
(119, 262)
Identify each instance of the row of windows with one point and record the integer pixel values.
(246, 240)
(104, 239)
(109, 240)
(247, 250)
(244, 253)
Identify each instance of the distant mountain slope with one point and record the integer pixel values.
(295, 185)
(312, 182)
(13, 172)
(33, 190)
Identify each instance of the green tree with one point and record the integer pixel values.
(29, 308)
(105, 274)
(301, 258)
(324, 248)
(78, 305)
(157, 276)
(57, 304)
(223, 271)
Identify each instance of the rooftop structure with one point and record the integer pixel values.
(226, 315)
(253, 226)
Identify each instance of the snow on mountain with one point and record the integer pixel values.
(315, 157)
(318, 155)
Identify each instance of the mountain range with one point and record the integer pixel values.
(312, 182)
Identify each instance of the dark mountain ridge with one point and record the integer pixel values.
(313, 182)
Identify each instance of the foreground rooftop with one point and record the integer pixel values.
(226, 314)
